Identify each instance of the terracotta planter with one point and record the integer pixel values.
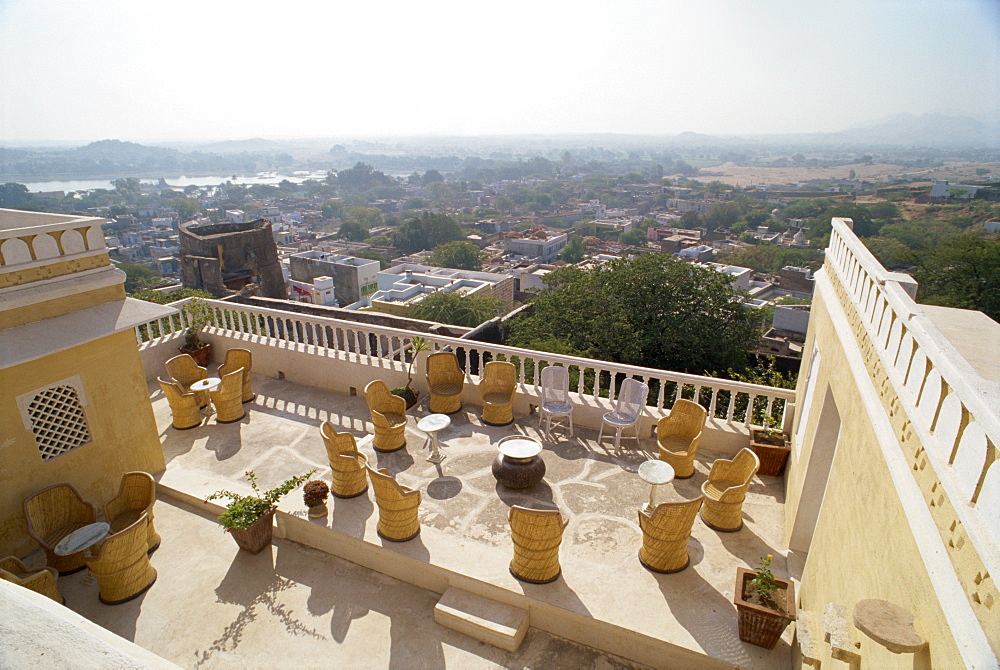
(257, 536)
(201, 356)
(759, 625)
(772, 456)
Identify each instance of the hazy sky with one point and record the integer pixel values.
(140, 70)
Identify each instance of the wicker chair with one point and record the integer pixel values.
(41, 580)
(136, 496)
(388, 416)
(665, 533)
(397, 507)
(725, 490)
(239, 358)
(537, 535)
(497, 391)
(228, 397)
(555, 399)
(346, 462)
(631, 402)
(122, 566)
(679, 435)
(185, 406)
(445, 380)
(54, 513)
(183, 370)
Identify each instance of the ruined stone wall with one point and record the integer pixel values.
(245, 252)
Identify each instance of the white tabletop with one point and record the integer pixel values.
(432, 423)
(206, 384)
(81, 538)
(656, 472)
(519, 446)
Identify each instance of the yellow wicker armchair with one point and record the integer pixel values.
(52, 514)
(228, 398)
(239, 358)
(346, 462)
(397, 507)
(183, 370)
(537, 535)
(497, 392)
(185, 406)
(388, 415)
(726, 489)
(41, 580)
(136, 496)
(445, 380)
(665, 533)
(122, 566)
(679, 435)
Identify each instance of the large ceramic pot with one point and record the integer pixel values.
(759, 624)
(201, 356)
(257, 536)
(772, 450)
(518, 464)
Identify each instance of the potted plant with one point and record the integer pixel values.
(408, 393)
(197, 315)
(314, 495)
(771, 445)
(248, 517)
(765, 603)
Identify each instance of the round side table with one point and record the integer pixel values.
(432, 425)
(655, 473)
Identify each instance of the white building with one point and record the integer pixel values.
(543, 245)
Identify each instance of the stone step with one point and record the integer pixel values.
(486, 620)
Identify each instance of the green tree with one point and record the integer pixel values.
(430, 177)
(353, 231)
(332, 208)
(366, 217)
(138, 277)
(890, 252)
(186, 208)
(458, 309)
(460, 255)
(652, 311)
(723, 215)
(635, 238)
(574, 250)
(963, 271)
(426, 232)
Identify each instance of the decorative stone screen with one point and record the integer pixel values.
(57, 421)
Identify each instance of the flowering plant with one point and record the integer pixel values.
(243, 510)
(763, 580)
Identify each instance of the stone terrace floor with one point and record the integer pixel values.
(464, 511)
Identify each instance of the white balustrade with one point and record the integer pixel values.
(385, 347)
(955, 411)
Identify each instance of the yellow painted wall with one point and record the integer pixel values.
(121, 423)
(60, 306)
(22, 276)
(862, 546)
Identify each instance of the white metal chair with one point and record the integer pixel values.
(555, 399)
(631, 400)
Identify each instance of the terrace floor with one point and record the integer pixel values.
(465, 534)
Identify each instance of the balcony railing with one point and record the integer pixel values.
(725, 400)
(954, 411)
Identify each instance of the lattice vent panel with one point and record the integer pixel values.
(58, 421)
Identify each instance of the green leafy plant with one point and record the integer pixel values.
(417, 345)
(197, 315)
(763, 581)
(243, 510)
(772, 427)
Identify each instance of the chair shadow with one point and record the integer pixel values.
(349, 515)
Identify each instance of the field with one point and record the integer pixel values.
(736, 175)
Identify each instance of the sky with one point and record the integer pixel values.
(85, 70)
